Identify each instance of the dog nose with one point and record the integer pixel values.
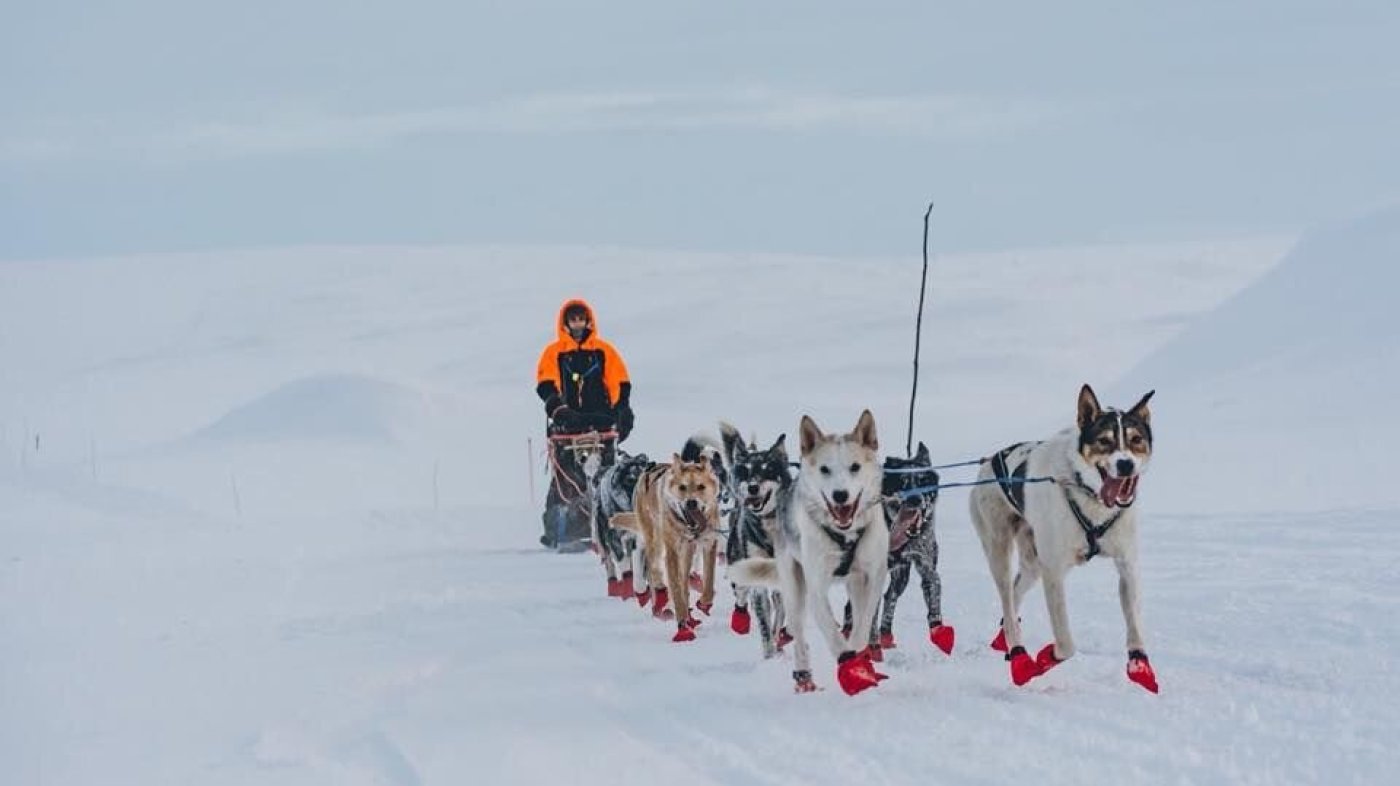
(691, 504)
(1125, 467)
(753, 488)
(840, 497)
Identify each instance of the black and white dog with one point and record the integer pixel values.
(761, 485)
(612, 494)
(909, 488)
(1088, 510)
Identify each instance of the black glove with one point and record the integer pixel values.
(563, 417)
(623, 416)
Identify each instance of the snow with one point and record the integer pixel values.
(279, 527)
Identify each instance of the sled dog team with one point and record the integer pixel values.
(847, 517)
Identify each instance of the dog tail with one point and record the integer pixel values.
(731, 439)
(627, 521)
(754, 572)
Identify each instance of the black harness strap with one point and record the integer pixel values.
(1012, 481)
(1091, 533)
(848, 550)
(753, 527)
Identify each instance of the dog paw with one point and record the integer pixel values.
(942, 637)
(1045, 660)
(1023, 669)
(643, 598)
(875, 654)
(684, 633)
(703, 607)
(739, 621)
(659, 601)
(999, 643)
(1140, 671)
(802, 682)
(856, 673)
(695, 582)
(784, 638)
(887, 640)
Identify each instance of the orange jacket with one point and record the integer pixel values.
(587, 375)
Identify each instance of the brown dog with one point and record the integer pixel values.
(676, 512)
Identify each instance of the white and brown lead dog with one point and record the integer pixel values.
(833, 529)
(1055, 526)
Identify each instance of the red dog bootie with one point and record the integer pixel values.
(624, 586)
(999, 643)
(684, 632)
(784, 638)
(644, 597)
(659, 601)
(1045, 660)
(696, 583)
(739, 621)
(1140, 670)
(704, 607)
(856, 673)
(942, 637)
(803, 682)
(887, 640)
(1023, 669)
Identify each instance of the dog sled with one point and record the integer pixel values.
(577, 454)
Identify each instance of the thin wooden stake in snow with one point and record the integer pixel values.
(918, 334)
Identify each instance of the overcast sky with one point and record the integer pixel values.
(814, 127)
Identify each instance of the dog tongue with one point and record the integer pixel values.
(1118, 491)
(695, 518)
(903, 523)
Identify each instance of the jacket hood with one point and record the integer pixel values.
(563, 330)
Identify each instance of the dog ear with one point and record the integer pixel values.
(676, 462)
(780, 446)
(1140, 409)
(922, 455)
(1089, 409)
(865, 431)
(809, 433)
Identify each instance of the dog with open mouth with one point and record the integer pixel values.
(677, 514)
(833, 530)
(760, 483)
(1088, 510)
(910, 491)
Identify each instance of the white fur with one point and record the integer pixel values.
(1050, 540)
(806, 557)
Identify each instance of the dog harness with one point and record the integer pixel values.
(1092, 533)
(754, 533)
(1011, 479)
(848, 550)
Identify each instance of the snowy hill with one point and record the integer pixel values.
(1275, 384)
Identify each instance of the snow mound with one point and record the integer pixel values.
(1258, 400)
(325, 407)
(1329, 302)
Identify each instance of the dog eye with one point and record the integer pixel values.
(1136, 441)
(700, 488)
(826, 470)
(855, 468)
(1106, 443)
(683, 488)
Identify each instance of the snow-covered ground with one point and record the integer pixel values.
(270, 517)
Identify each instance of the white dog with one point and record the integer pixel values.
(1087, 510)
(833, 529)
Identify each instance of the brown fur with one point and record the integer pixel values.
(671, 539)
